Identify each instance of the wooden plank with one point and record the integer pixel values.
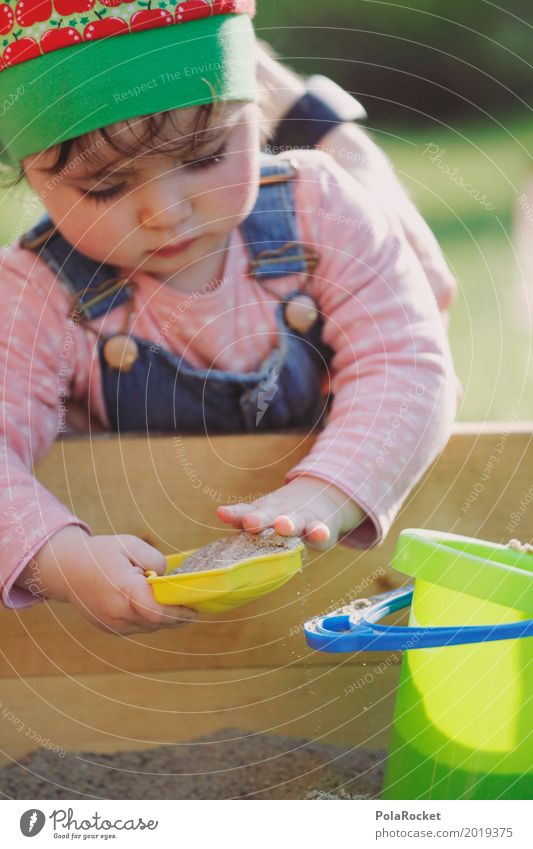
(149, 487)
(123, 711)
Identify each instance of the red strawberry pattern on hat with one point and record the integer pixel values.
(148, 18)
(104, 27)
(32, 28)
(7, 18)
(27, 12)
(188, 11)
(55, 39)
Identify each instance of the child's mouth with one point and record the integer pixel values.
(172, 249)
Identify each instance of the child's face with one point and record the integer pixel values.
(160, 201)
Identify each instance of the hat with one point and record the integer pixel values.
(71, 66)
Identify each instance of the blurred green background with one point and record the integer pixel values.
(455, 75)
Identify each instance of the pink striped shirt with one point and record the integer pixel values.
(392, 374)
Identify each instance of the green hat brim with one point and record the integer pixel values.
(69, 92)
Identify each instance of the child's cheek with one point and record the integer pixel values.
(244, 198)
(241, 185)
(96, 233)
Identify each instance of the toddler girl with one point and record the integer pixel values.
(182, 281)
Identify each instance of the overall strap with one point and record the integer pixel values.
(270, 231)
(96, 286)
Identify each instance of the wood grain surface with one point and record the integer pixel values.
(90, 689)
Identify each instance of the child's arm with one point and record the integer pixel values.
(46, 551)
(392, 375)
(34, 359)
(355, 151)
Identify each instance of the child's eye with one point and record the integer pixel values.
(205, 162)
(105, 194)
(208, 161)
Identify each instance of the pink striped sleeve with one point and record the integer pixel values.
(38, 359)
(392, 373)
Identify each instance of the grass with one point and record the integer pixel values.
(490, 340)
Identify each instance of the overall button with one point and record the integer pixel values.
(301, 313)
(121, 352)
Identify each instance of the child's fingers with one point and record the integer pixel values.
(233, 514)
(143, 554)
(290, 524)
(148, 613)
(318, 535)
(256, 520)
(296, 523)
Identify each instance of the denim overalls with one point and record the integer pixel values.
(161, 391)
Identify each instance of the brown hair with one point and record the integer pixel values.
(147, 135)
(149, 139)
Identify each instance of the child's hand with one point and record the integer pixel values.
(103, 577)
(306, 507)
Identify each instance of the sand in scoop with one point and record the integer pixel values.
(232, 549)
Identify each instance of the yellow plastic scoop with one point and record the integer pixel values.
(221, 589)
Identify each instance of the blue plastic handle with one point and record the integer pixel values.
(355, 629)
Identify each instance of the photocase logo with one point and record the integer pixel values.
(32, 822)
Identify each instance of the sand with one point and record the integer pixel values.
(232, 549)
(231, 764)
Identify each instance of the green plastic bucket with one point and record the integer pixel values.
(463, 721)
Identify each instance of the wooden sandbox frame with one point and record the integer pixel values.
(67, 685)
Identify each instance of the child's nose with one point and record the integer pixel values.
(162, 206)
